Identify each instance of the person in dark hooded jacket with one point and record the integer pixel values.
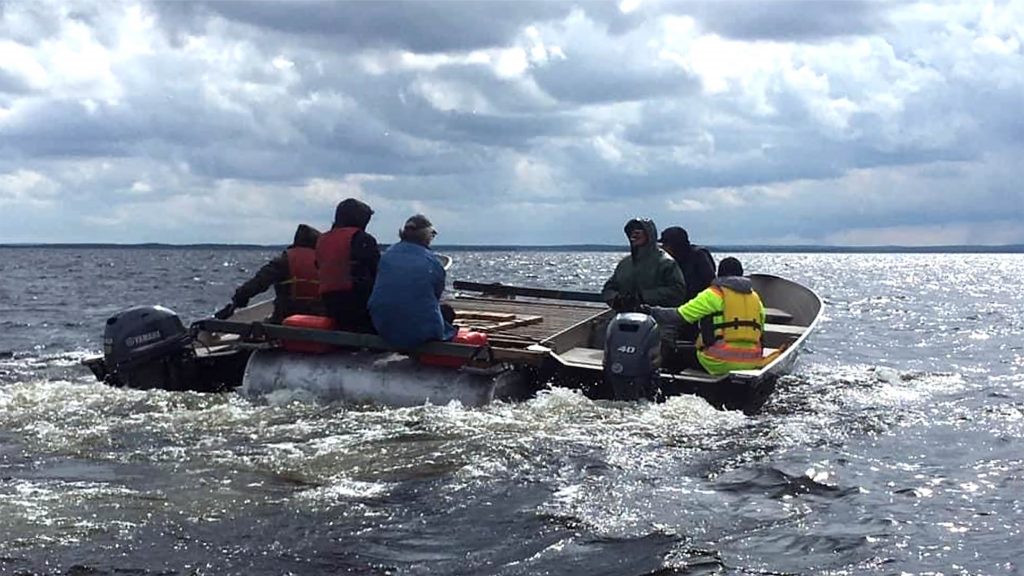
(347, 258)
(647, 276)
(293, 275)
(696, 262)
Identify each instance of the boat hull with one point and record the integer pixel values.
(380, 378)
(547, 338)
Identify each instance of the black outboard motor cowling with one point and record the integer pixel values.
(632, 356)
(147, 347)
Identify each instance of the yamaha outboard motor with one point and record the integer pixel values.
(632, 356)
(147, 347)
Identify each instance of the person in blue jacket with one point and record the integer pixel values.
(406, 301)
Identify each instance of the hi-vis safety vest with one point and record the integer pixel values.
(334, 259)
(304, 278)
(738, 330)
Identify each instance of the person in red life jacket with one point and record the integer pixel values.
(293, 275)
(406, 302)
(696, 264)
(347, 258)
(731, 317)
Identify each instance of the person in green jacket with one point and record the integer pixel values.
(731, 317)
(647, 276)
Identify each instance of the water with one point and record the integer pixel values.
(895, 447)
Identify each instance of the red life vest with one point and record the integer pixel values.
(304, 277)
(334, 259)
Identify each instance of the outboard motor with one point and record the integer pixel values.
(632, 356)
(147, 347)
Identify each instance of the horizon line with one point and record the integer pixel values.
(983, 248)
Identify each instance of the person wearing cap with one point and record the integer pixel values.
(406, 302)
(293, 275)
(346, 258)
(731, 318)
(696, 262)
(647, 276)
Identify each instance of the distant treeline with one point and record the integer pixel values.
(957, 249)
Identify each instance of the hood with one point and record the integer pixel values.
(740, 284)
(306, 236)
(352, 212)
(652, 236)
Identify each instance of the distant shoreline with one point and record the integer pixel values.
(950, 249)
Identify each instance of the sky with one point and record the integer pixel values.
(777, 122)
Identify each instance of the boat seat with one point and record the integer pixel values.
(774, 335)
(777, 316)
(694, 375)
(778, 335)
(594, 358)
(583, 357)
(785, 329)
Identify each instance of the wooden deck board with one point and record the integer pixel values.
(556, 317)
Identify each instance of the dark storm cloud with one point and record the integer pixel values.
(116, 129)
(787, 20)
(779, 20)
(668, 123)
(396, 105)
(510, 95)
(420, 26)
(12, 83)
(558, 118)
(29, 23)
(594, 79)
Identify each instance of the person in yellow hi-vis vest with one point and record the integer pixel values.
(731, 318)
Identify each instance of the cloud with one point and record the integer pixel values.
(419, 26)
(28, 188)
(992, 233)
(592, 69)
(688, 205)
(789, 20)
(531, 122)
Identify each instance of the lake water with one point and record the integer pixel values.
(894, 447)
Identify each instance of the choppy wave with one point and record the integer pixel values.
(894, 446)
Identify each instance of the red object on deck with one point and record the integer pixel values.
(308, 322)
(462, 337)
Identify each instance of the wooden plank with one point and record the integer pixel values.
(524, 303)
(557, 316)
(525, 321)
(498, 289)
(484, 315)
